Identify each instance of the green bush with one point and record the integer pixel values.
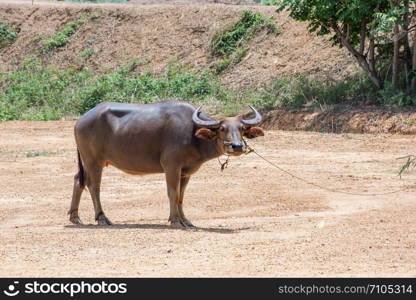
(243, 31)
(296, 92)
(267, 2)
(7, 35)
(232, 44)
(63, 36)
(35, 91)
(87, 53)
(97, 1)
(38, 92)
(124, 86)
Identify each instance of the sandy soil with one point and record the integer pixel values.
(252, 219)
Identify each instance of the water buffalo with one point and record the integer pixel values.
(170, 137)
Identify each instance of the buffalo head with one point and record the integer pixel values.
(228, 132)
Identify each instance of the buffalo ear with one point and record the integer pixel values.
(205, 134)
(253, 132)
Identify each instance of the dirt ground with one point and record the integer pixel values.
(252, 219)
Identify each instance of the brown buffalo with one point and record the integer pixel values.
(169, 137)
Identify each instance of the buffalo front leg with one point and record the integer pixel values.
(76, 197)
(183, 183)
(173, 176)
(94, 184)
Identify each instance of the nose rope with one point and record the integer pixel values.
(224, 165)
(317, 185)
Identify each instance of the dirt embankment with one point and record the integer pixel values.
(364, 120)
(158, 34)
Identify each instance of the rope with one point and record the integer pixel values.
(317, 185)
(224, 165)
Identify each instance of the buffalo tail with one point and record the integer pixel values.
(81, 171)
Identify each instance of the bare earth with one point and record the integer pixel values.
(252, 219)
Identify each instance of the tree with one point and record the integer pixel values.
(377, 33)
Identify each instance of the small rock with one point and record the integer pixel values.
(320, 225)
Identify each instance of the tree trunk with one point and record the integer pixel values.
(361, 59)
(405, 40)
(395, 63)
(413, 84)
(371, 51)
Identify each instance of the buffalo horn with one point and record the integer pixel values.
(207, 122)
(255, 121)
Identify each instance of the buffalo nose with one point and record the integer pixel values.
(238, 147)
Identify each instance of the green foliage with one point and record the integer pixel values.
(296, 92)
(395, 98)
(7, 35)
(35, 91)
(322, 13)
(410, 163)
(87, 53)
(36, 153)
(365, 28)
(232, 44)
(243, 31)
(63, 36)
(231, 60)
(95, 16)
(124, 86)
(267, 2)
(97, 1)
(38, 92)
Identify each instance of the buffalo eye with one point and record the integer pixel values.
(222, 128)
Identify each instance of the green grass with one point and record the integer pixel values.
(95, 16)
(7, 35)
(95, 1)
(39, 92)
(240, 33)
(87, 53)
(36, 91)
(267, 2)
(36, 153)
(295, 92)
(28, 154)
(63, 36)
(232, 44)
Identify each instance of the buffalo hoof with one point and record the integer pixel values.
(76, 221)
(188, 224)
(181, 224)
(104, 221)
(177, 224)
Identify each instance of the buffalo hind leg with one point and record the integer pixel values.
(76, 197)
(183, 183)
(94, 184)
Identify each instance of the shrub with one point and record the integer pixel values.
(232, 44)
(63, 36)
(35, 91)
(7, 35)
